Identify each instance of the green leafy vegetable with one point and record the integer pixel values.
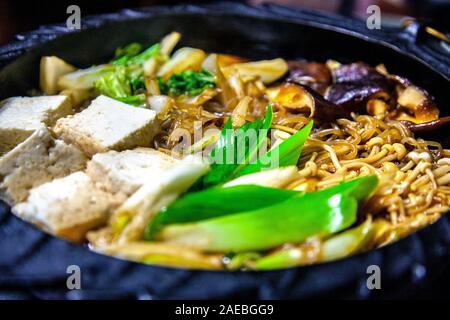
(145, 55)
(209, 203)
(114, 84)
(137, 84)
(131, 54)
(136, 100)
(118, 85)
(285, 154)
(125, 79)
(187, 82)
(235, 149)
(124, 54)
(233, 157)
(320, 213)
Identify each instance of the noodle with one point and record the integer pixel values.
(413, 173)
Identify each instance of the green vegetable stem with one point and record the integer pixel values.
(216, 202)
(245, 157)
(320, 213)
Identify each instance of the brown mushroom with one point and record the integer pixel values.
(355, 84)
(312, 74)
(304, 99)
(427, 126)
(417, 101)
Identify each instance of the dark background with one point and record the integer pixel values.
(18, 16)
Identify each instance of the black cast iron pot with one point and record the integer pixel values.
(33, 264)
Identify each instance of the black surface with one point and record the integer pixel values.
(33, 264)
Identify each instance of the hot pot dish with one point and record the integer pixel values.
(208, 160)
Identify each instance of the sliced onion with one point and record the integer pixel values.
(199, 99)
(210, 63)
(51, 68)
(161, 104)
(266, 70)
(183, 59)
(169, 42)
(240, 112)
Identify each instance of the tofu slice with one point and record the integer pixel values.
(38, 159)
(21, 116)
(107, 124)
(67, 207)
(128, 170)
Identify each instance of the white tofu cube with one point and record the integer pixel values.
(38, 159)
(21, 116)
(128, 170)
(67, 207)
(107, 124)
